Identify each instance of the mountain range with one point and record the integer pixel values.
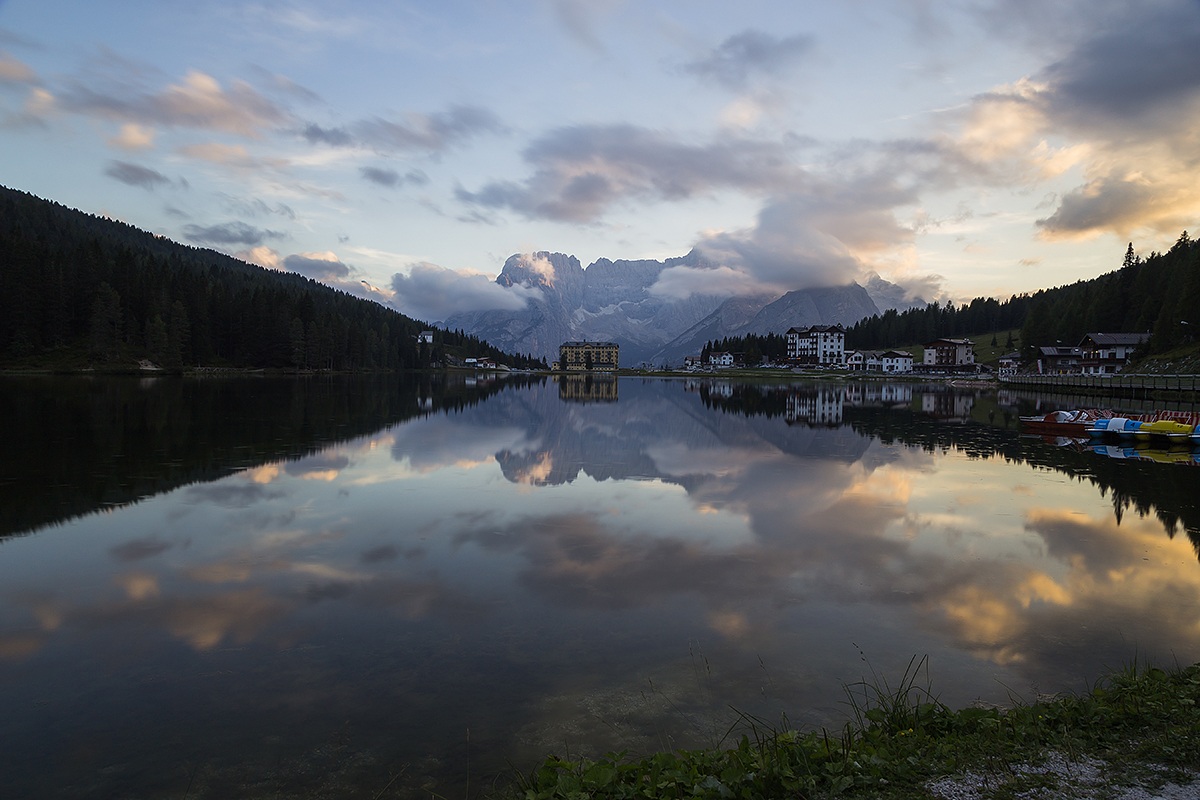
(616, 301)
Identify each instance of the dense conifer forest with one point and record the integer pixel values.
(79, 290)
(752, 348)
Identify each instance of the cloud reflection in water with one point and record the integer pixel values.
(548, 560)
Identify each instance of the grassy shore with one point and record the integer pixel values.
(1135, 734)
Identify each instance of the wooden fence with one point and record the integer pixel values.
(1131, 385)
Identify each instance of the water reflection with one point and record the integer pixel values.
(73, 446)
(552, 574)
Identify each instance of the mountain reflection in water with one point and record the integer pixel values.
(303, 585)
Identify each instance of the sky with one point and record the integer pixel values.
(404, 150)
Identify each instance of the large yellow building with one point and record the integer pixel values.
(588, 356)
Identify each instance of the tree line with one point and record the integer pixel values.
(80, 289)
(752, 348)
(1159, 294)
(935, 321)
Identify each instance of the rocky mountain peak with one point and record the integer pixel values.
(540, 269)
(612, 301)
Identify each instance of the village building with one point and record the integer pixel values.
(949, 354)
(588, 356)
(719, 359)
(1008, 364)
(892, 362)
(1107, 353)
(822, 345)
(895, 362)
(1058, 360)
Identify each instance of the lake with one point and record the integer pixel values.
(401, 585)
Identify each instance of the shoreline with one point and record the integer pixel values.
(1135, 735)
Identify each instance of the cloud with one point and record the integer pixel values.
(442, 441)
(255, 207)
(412, 132)
(262, 255)
(134, 175)
(826, 234)
(198, 101)
(392, 179)
(323, 467)
(39, 105)
(1132, 70)
(139, 549)
(14, 71)
(540, 265)
(230, 495)
(133, 137)
(285, 85)
(580, 172)
(1108, 203)
(1102, 109)
(324, 267)
(578, 17)
(382, 553)
(433, 293)
(428, 132)
(229, 155)
(744, 55)
(681, 282)
(230, 233)
(334, 137)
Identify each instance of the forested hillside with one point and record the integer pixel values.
(81, 290)
(1160, 293)
(752, 348)
(918, 325)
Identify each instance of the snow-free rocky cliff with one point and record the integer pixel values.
(613, 301)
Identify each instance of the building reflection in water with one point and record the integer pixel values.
(587, 388)
(815, 407)
(948, 406)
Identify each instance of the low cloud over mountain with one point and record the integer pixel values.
(658, 311)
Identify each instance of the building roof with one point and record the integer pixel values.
(944, 340)
(1116, 339)
(818, 329)
(1060, 352)
(589, 344)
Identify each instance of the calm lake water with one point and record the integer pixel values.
(392, 586)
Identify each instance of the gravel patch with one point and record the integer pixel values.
(1078, 779)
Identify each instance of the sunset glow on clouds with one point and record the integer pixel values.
(950, 147)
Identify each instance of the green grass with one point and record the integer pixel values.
(1143, 723)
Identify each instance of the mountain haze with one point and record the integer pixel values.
(615, 301)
